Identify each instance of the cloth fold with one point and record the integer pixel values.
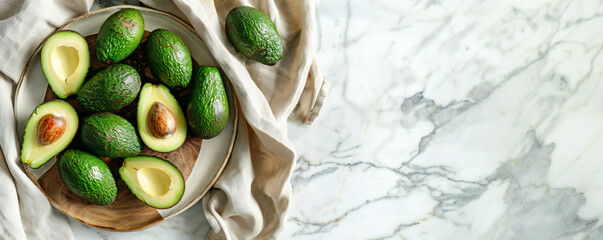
(26, 214)
(251, 198)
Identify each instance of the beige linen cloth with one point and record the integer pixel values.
(251, 198)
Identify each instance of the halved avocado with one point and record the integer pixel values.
(49, 130)
(153, 180)
(65, 61)
(161, 122)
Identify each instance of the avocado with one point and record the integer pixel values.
(207, 110)
(169, 58)
(161, 122)
(109, 135)
(65, 59)
(50, 128)
(87, 176)
(153, 180)
(119, 36)
(110, 89)
(252, 33)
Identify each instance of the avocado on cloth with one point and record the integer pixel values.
(251, 198)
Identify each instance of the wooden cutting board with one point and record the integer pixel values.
(127, 213)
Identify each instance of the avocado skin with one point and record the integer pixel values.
(87, 176)
(110, 89)
(169, 58)
(119, 36)
(207, 111)
(109, 135)
(252, 33)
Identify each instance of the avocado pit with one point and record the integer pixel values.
(50, 128)
(162, 122)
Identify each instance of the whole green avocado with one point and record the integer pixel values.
(110, 89)
(207, 110)
(169, 58)
(109, 135)
(252, 33)
(87, 176)
(119, 36)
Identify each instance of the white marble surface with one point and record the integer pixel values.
(446, 120)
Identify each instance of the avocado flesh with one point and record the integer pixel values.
(110, 135)
(252, 33)
(207, 110)
(87, 176)
(119, 36)
(149, 95)
(65, 60)
(169, 58)
(33, 152)
(153, 180)
(110, 89)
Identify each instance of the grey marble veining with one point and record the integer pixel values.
(446, 120)
(454, 120)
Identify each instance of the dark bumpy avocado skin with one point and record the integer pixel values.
(169, 58)
(119, 36)
(87, 176)
(208, 106)
(252, 33)
(110, 89)
(109, 135)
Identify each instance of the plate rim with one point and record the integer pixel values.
(211, 183)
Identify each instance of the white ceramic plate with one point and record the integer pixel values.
(213, 155)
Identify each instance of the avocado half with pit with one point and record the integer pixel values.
(161, 122)
(50, 128)
(65, 61)
(153, 180)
